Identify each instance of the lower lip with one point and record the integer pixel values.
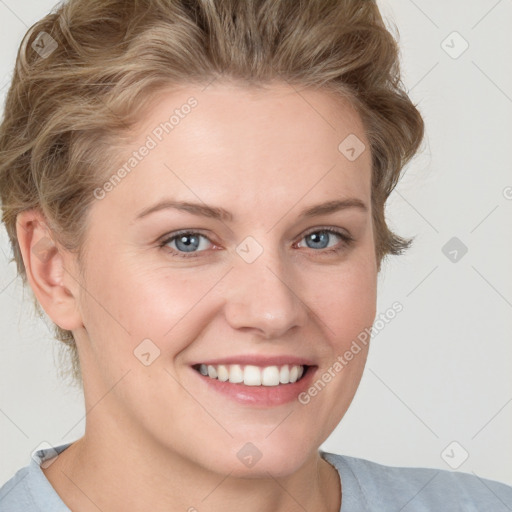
(262, 396)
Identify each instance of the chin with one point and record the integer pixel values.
(278, 465)
(265, 458)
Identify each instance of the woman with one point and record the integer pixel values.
(195, 192)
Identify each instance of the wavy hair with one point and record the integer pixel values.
(85, 73)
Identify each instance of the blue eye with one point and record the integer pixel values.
(318, 238)
(187, 244)
(186, 241)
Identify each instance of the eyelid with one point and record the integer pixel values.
(332, 229)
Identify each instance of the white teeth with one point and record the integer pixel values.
(222, 373)
(284, 374)
(251, 375)
(270, 376)
(236, 374)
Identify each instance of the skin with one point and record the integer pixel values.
(156, 437)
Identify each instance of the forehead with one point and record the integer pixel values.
(227, 142)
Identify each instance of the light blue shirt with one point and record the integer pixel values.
(366, 487)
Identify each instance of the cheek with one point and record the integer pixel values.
(347, 301)
(128, 300)
(128, 304)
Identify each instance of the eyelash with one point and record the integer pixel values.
(346, 242)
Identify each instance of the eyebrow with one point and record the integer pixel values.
(218, 213)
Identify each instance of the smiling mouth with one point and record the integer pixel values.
(251, 375)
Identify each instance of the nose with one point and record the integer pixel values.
(263, 296)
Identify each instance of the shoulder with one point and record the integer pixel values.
(29, 490)
(15, 494)
(413, 488)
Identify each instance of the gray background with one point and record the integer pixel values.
(438, 383)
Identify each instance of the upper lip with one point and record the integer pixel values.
(258, 360)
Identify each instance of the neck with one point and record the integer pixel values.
(105, 472)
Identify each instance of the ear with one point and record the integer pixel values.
(55, 286)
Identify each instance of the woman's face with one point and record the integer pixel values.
(264, 285)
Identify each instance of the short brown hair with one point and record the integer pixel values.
(66, 109)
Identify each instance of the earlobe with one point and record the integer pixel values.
(45, 264)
